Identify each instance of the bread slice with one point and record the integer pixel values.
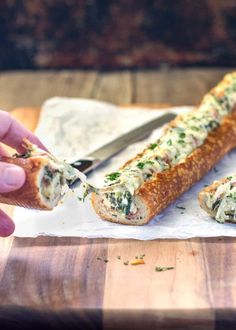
(156, 194)
(163, 187)
(46, 179)
(218, 200)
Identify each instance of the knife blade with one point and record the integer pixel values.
(97, 157)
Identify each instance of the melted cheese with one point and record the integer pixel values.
(223, 201)
(180, 139)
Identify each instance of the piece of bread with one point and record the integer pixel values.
(46, 178)
(219, 199)
(156, 192)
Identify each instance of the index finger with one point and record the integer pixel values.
(12, 133)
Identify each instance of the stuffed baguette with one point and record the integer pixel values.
(219, 199)
(46, 178)
(190, 146)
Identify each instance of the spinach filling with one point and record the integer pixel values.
(178, 142)
(120, 202)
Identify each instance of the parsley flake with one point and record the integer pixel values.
(163, 269)
(194, 128)
(113, 176)
(182, 135)
(141, 165)
(152, 146)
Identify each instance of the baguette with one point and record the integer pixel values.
(190, 146)
(219, 200)
(46, 179)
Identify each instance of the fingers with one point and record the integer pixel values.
(7, 226)
(12, 177)
(12, 133)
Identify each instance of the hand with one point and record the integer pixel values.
(12, 177)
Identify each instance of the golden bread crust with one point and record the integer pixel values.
(168, 185)
(202, 197)
(28, 195)
(96, 200)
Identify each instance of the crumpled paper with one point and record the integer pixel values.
(73, 127)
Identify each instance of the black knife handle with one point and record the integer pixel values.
(83, 165)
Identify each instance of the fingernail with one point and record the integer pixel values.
(13, 176)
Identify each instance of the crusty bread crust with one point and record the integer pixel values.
(97, 202)
(168, 185)
(29, 194)
(202, 197)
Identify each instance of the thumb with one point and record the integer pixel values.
(12, 177)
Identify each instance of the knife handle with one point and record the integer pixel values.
(85, 165)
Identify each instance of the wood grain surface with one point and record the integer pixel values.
(59, 283)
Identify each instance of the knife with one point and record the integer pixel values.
(97, 157)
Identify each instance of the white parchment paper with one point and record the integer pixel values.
(73, 127)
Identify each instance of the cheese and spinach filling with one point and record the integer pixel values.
(180, 139)
(222, 202)
(55, 175)
(68, 173)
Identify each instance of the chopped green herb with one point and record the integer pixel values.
(169, 142)
(150, 162)
(163, 269)
(229, 177)
(180, 207)
(113, 176)
(87, 190)
(141, 165)
(194, 128)
(181, 141)
(152, 146)
(182, 135)
(181, 212)
(142, 256)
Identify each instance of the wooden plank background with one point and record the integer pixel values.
(53, 274)
(177, 87)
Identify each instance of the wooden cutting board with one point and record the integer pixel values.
(76, 281)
